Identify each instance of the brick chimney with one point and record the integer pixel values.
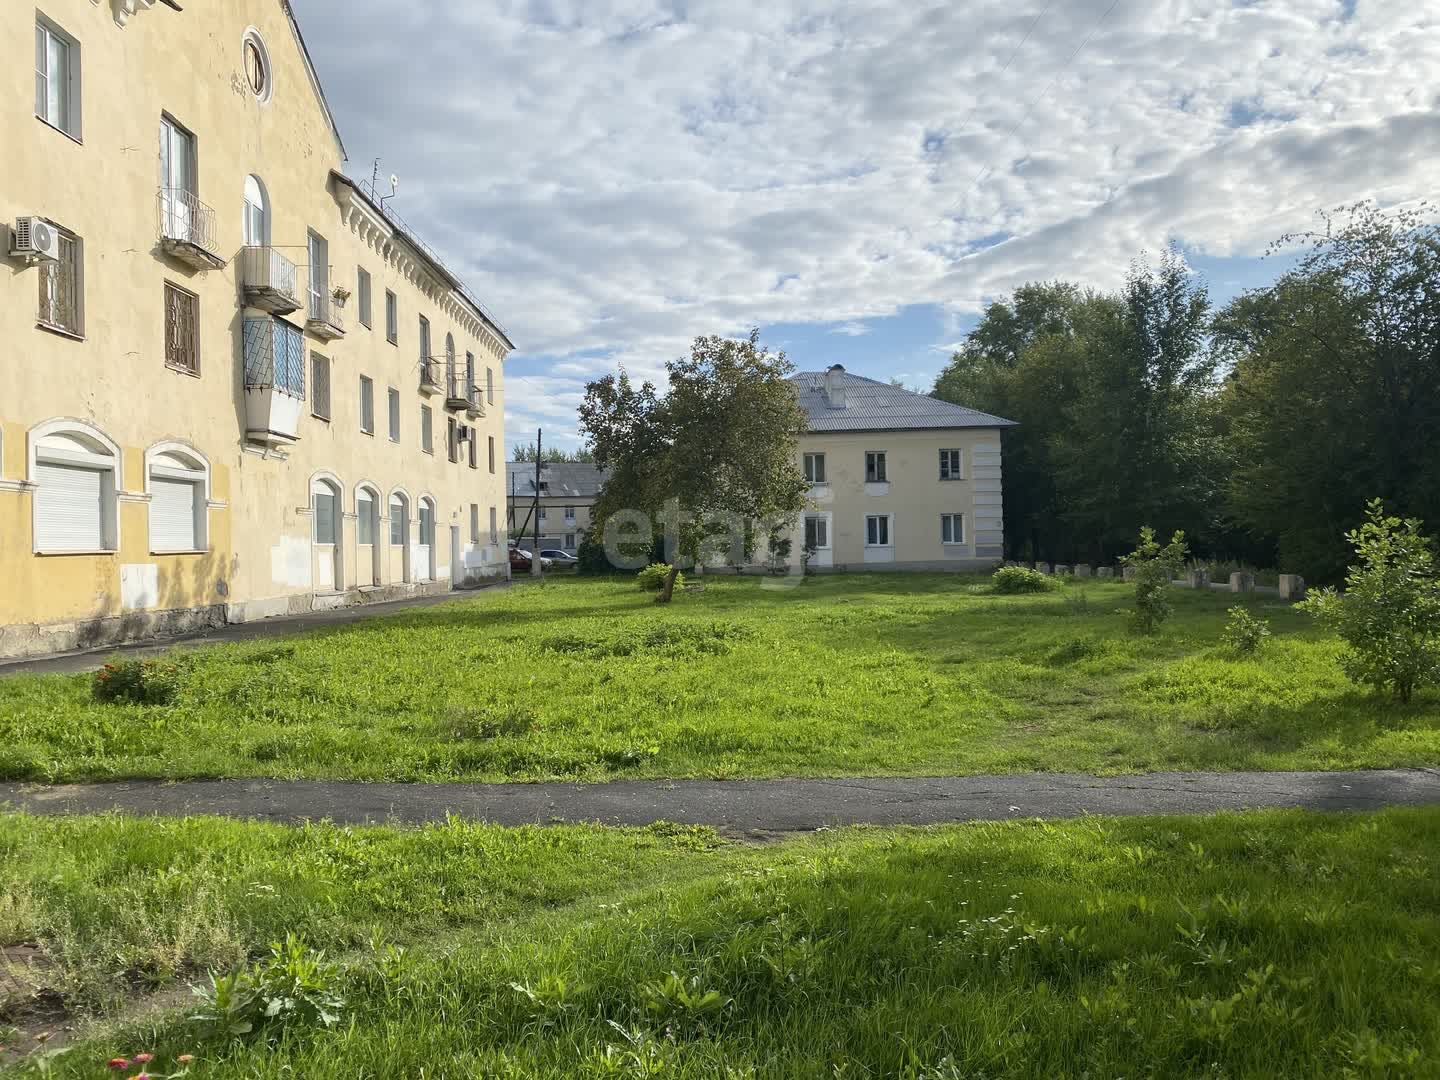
(835, 386)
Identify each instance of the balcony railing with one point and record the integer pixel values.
(429, 376)
(269, 280)
(187, 229)
(456, 393)
(474, 407)
(325, 316)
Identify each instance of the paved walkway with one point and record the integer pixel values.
(278, 626)
(745, 806)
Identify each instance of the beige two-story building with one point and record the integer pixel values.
(898, 480)
(566, 495)
(235, 383)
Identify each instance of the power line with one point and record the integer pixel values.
(1031, 107)
(1016, 52)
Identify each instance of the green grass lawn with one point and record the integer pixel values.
(864, 674)
(1246, 945)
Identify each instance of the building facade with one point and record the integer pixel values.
(235, 383)
(567, 493)
(898, 480)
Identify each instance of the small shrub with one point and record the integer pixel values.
(1010, 580)
(1389, 614)
(652, 578)
(137, 682)
(293, 986)
(1074, 650)
(1154, 567)
(1244, 633)
(1077, 603)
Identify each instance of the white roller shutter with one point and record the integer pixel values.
(172, 514)
(69, 507)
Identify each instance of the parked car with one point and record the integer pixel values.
(520, 560)
(560, 558)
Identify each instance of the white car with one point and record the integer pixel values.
(558, 557)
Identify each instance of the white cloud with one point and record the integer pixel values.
(615, 177)
(851, 329)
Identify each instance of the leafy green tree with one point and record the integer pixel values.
(552, 455)
(1389, 614)
(1333, 395)
(721, 443)
(1154, 566)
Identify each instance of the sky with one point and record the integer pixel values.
(616, 177)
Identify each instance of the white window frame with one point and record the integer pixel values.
(945, 519)
(569, 541)
(489, 386)
(946, 471)
(47, 30)
(363, 290)
(569, 515)
(812, 474)
(889, 520)
(392, 317)
(325, 485)
(882, 458)
(427, 430)
(392, 406)
(108, 462)
(494, 525)
(367, 405)
(474, 523)
(367, 491)
(161, 460)
(320, 364)
(403, 521)
(825, 519)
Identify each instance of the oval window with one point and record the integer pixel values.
(256, 62)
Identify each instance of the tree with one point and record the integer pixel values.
(1154, 566)
(723, 442)
(1333, 395)
(552, 455)
(1389, 614)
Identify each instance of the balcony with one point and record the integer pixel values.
(474, 409)
(325, 318)
(457, 397)
(274, 381)
(429, 376)
(269, 280)
(187, 230)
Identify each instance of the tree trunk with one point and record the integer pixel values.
(667, 591)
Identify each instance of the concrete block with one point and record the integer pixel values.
(1292, 587)
(1242, 582)
(1197, 579)
(1043, 567)
(1105, 571)
(1061, 569)
(1128, 573)
(1082, 569)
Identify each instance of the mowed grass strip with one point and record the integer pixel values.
(1245, 945)
(845, 675)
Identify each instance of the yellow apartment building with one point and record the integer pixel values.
(233, 383)
(898, 480)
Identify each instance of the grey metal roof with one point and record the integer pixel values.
(574, 481)
(877, 406)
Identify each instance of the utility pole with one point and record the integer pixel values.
(535, 552)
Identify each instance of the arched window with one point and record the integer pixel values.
(76, 472)
(399, 520)
(427, 522)
(366, 514)
(178, 479)
(256, 226)
(325, 502)
(452, 378)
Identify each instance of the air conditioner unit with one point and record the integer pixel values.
(35, 239)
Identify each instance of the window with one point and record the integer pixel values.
(470, 387)
(274, 356)
(392, 318)
(472, 443)
(875, 467)
(950, 465)
(57, 78)
(255, 225)
(177, 182)
(817, 531)
(367, 406)
(399, 525)
(453, 389)
(319, 249)
(494, 527)
(427, 437)
(569, 515)
(427, 523)
(542, 515)
(492, 452)
(364, 517)
(182, 329)
(362, 296)
(424, 339)
(569, 540)
(255, 61)
(489, 386)
(76, 473)
(394, 396)
(877, 530)
(62, 287)
(324, 506)
(474, 523)
(815, 468)
(452, 439)
(320, 386)
(952, 528)
(178, 484)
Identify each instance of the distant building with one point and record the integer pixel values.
(898, 480)
(567, 493)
